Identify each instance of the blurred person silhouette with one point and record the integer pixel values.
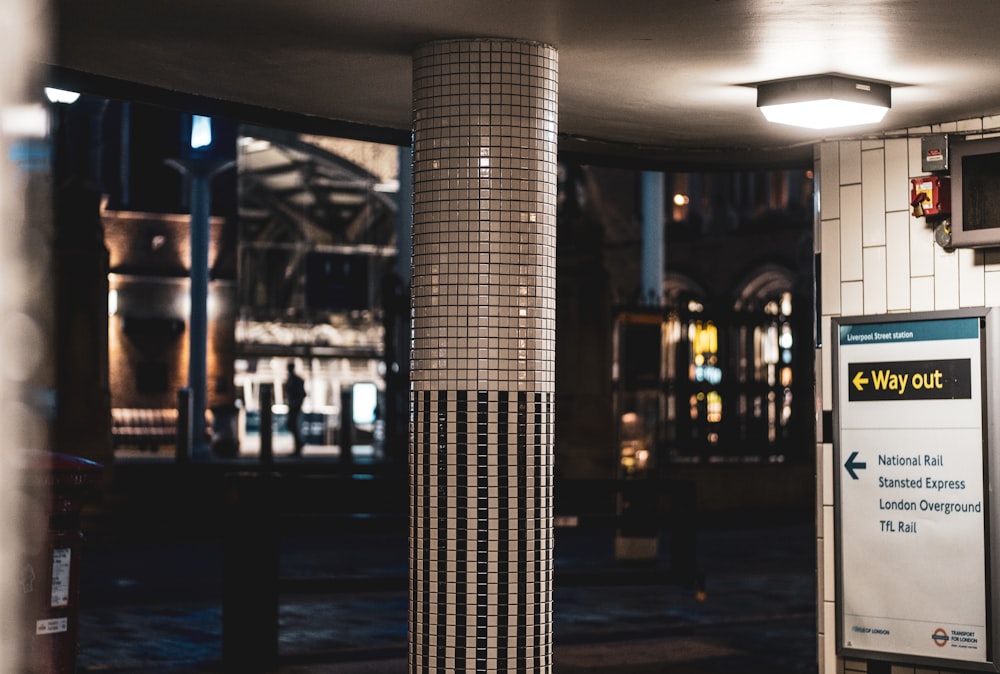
(295, 394)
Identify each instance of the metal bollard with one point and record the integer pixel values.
(266, 423)
(347, 425)
(250, 580)
(183, 443)
(684, 531)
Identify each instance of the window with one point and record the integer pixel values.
(765, 345)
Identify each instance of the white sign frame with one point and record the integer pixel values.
(891, 543)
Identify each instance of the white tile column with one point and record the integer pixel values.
(483, 356)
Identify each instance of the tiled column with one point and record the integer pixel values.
(483, 364)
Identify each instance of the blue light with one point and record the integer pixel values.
(30, 154)
(201, 132)
(708, 373)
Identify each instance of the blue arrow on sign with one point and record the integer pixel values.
(853, 465)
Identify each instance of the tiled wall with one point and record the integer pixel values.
(483, 356)
(878, 259)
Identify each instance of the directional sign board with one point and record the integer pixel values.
(912, 499)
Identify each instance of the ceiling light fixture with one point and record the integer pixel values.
(61, 95)
(823, 101)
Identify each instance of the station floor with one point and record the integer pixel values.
(156, 606)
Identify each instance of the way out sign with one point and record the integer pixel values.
(910, 380)
(914, 521)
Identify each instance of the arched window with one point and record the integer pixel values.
(764, 341)
(710, 382)
(693, 352)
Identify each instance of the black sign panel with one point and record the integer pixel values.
(910, 380)
(337, 282)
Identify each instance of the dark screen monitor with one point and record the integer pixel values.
(975, 193)
(337, 282)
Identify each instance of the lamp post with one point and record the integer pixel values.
(652, 238)
(200, 171)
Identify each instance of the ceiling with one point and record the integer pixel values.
(664, 80)
(292, 191)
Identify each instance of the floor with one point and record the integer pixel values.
(156, 606)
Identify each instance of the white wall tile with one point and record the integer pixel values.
(826, 479)
(829, 652)
(851, 263)
(818, 390)
(826, 356)
(975, 124)
(850, 162)
(872, 144)
(946, 127)
(945, 279)
(992, 281)
(873, 197)
(922, 248)
(829, 238)
(971, 278)
(875, 280)
(991, 122)
(829, 586)
(915, 153)
(829, 181)
(922, 293)
(818, 492)
(897, 175)
(897, 254)
(852, 298)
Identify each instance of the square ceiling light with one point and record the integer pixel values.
(823, 101)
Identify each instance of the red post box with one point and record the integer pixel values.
(55, 488)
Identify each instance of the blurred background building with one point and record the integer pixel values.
(711, 384)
